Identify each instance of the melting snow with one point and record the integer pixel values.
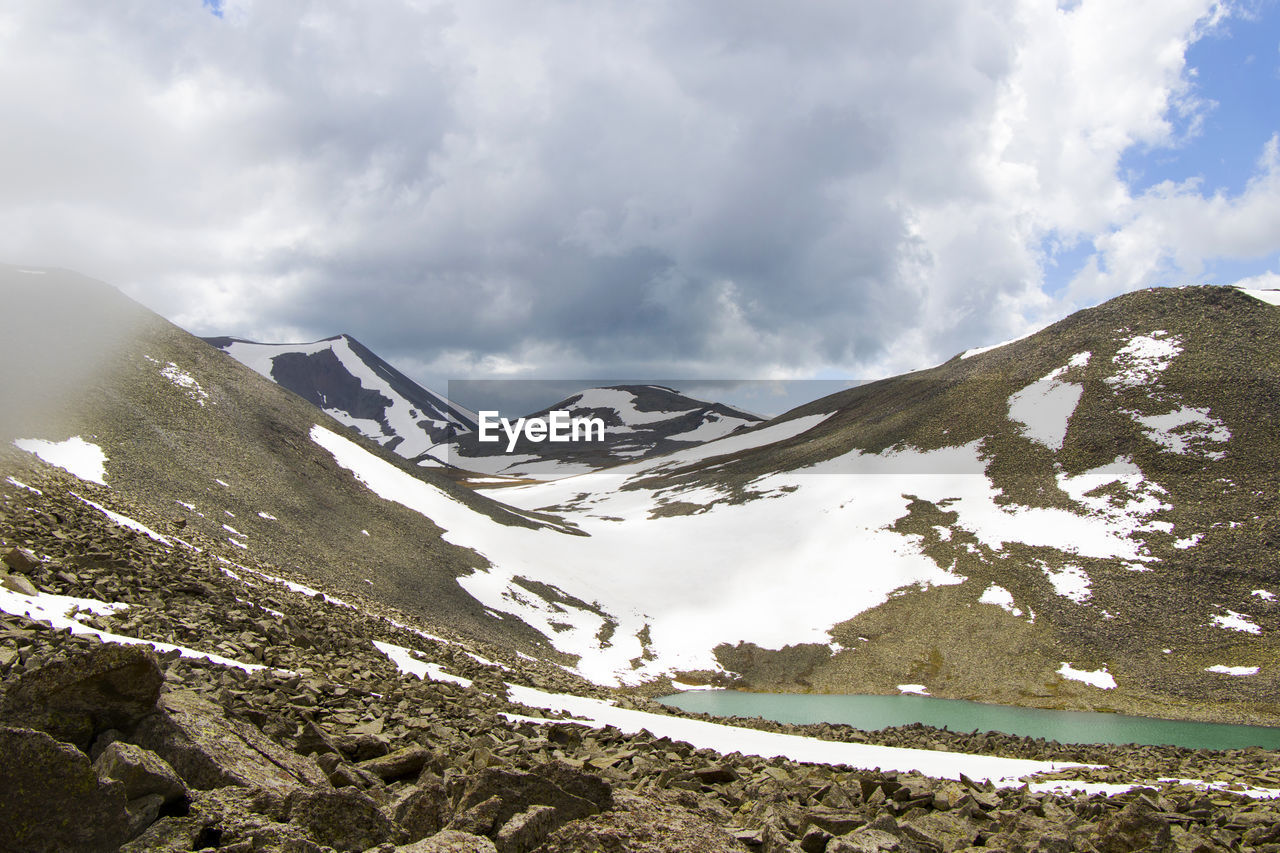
(1264, 594)
(57, 609)
(1190, 542)
(1233, 670)
(1185, 430)
(916, 689)
(1144, 358)
(1044, 408)
(185, 381)
(268, 516)
(407, 663)
(125, 521)
(1236, 622)
(1000, 597)
(1070, 581)
(1098, 678)
(75, 456)
(837, 515)
(23, 485)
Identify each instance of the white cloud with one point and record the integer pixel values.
(728, 187)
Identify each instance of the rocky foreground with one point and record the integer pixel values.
(297, 733)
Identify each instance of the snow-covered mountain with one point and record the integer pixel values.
(358, 388)
(1088, 517)
(640, 421)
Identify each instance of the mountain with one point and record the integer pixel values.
(640, 421)
(356, 387)
(228, 621)
(1084, 518)
(202, 441)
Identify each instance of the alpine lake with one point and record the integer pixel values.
(877, 712)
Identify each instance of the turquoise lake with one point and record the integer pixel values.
(877, 712)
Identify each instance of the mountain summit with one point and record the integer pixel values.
(358, 388)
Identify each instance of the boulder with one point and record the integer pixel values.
(400, 764)
(53, 800)
(109, 687)
(422, 810)
(21, 560)
(210, 750)
(18, 584)
(345, 819)
(140, 771)
(494, 796)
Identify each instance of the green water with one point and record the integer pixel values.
(877, 712)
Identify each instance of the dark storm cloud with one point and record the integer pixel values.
(712, 189)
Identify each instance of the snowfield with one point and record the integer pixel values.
(822, 523)
(75, 456)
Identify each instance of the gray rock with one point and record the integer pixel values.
(526, 830)
(21, 560)
(345, 819)
(53, 801)
(140, 771)
(450, 841)
(400, 764)
(109, 687)
(209, 750)
(865, 841)
(18, 584)
(422, 810)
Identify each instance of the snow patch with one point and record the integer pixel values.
(1000, 597)
(1234, 621)
(1144, 358)
(915, 689)
(1185, 430)
(22, 485)
(1070, 581)
(57, 610)
(403, 658)
(75, 456)
(1044, 407)
(125, 521)
(1232, 670)
(1098, 677)
(1265, 595)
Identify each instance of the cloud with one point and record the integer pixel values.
(714, 189)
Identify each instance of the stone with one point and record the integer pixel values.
(516, 791)
(110, 687)
(140, 771)
(18, 584)
(865, 841)
(53, 800)
(423, 810)
(400, 764)
(345, 819)
(450, 841)
(210, 750)
(526, 830)
(1137, 826)
(21, 560)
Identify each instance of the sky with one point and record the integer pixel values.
(745, 189)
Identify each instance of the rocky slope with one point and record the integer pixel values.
(1086, 518)
(277, 717)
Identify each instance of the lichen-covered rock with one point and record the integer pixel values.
(108, 687)
(140, 771)
(52, 800)
(210, 750)
(422, 810)
(345, 819)
(450, 841)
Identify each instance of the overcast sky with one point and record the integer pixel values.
(727, 188)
